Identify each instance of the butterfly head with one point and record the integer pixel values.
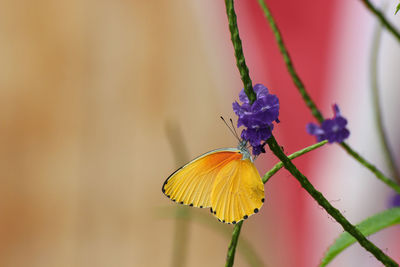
(244, 151)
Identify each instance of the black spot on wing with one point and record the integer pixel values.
(191, 205)
(234, 222)
(255, 210)
(262, 200)
(201, 207)
(245, 217)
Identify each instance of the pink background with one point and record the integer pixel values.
(89, 91)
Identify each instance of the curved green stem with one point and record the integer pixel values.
(292, 71)
(182, 220)
(248, 252)
(371, 167)
(248, 89)
(296, 154)
(241, 64)
(382, 19)
(310, 103)
(232, 246)
(323, 202)
(376, 104)
(237, 45)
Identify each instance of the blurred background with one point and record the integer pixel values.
(101, 100)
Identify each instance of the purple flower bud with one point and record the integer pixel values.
(394, 201)
(258, 117)
(257, 150)
(333, 130)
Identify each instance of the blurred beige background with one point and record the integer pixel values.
(86, 89)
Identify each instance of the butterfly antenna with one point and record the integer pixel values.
(230, 129)
(234, 129)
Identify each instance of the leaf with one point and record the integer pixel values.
(397, 9)
(367, 227)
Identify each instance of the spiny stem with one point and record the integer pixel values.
(376, 104)
(382, 19)
(269, 174)
(237, 45)
(202, 219)
(296, 79)
(248, 89)
(296, 154)
(372, 168)
(241, 64)
(232, 246)
(323, 202)
(310, 103)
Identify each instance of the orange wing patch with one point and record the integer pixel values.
(192, 183)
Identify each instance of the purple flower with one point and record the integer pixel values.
(333, 130)
(257, 117)
(257, 150)
(256, 135)
(395, 201)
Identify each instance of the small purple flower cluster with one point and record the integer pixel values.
(395, 201)
(333, 130)
(257, 117)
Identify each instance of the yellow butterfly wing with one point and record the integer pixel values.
(238, 191)
(192, 183)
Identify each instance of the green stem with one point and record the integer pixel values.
(296, 154)
(241, 64)
(202, 219)
(232, 246)
(237, 45)
(183, 215)
(323, 202)
(372, 168)
(376, 104)
(309, 102)
(382, 19)
(248, 89)
(296, 79)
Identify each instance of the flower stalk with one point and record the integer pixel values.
(237, 45)
(182, 216)
(310, 103)
(382, 19)
(372, 168)
(289, 64)
(274, 146)
(232, 246)
(377, 106)
(296, 154)
(323, 202)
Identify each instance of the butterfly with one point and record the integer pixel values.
(224, 180)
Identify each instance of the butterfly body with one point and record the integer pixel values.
(224, 180)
